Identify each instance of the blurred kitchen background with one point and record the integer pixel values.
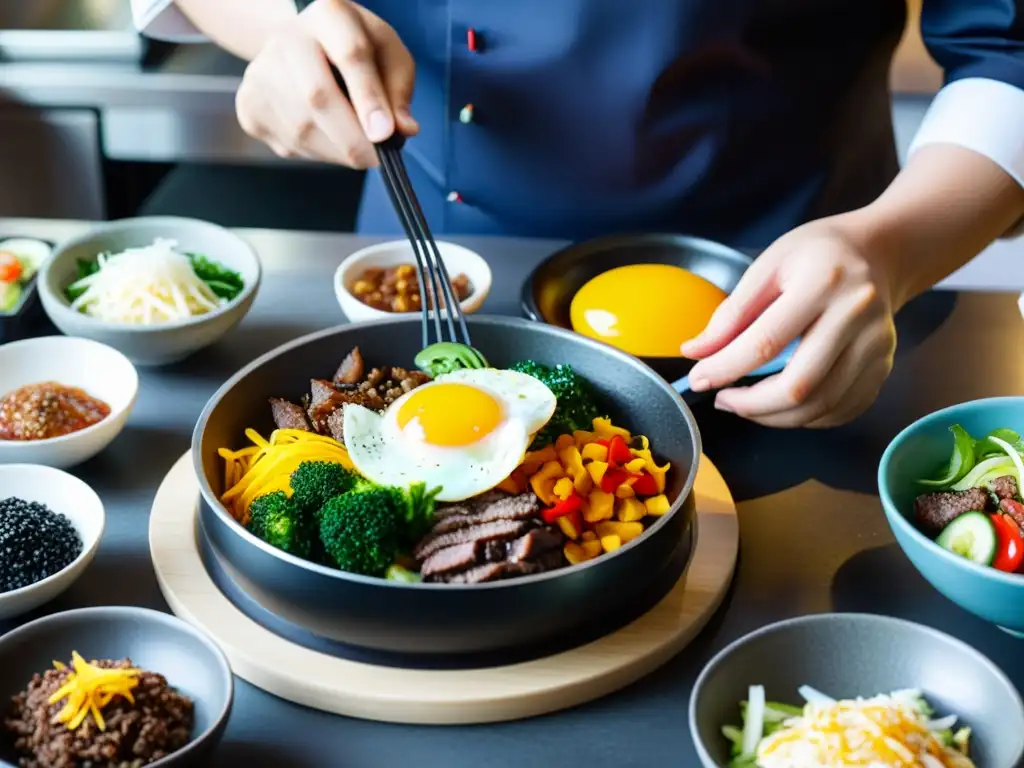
(97, 123)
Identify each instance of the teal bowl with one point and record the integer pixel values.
(917, 452)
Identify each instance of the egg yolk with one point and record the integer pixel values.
(451, 415)
(648, 310)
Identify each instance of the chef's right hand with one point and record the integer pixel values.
(288, 97)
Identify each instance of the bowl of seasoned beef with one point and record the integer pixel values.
(950, 484)
(529, 490)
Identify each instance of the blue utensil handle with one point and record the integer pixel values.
(775, 365)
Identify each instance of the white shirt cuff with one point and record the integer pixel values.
(163, 20)
(983, 115)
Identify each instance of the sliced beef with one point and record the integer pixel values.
(489, 537)
(535, 543)
(479, 574)
(1014, 510)
(525, 506)
(456, 558)
(320, 413)
(496, 531)
(352, 369)
(375, 390)
(320, 391)
(336, 425)
(1005, 487)
(288, 415)
(934, 511)
(469, 506)
(504, 570)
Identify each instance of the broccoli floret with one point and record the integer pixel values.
(315, 482)
(364, 530)
(577, 401)
(278, 520)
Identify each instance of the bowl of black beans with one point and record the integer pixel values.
(50, 527)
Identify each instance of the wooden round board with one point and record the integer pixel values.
(440, 697)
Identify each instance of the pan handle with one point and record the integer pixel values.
(682, 386)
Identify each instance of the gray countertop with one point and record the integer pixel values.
(813, 535)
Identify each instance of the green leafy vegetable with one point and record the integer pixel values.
(577, 401)
(961, 461)
(84, 268)
(976, 462)
(314, 483)
(447, 356)
(365, 529)
(277, 519)
(226, 283)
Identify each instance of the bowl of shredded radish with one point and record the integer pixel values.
(156, 288)
(843, 689)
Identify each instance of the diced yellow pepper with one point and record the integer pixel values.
(514, 483)
(636, 466)
(568, 528)
(543, 481)
(605, 429)
(657, 505)
(588, 536)
(610, 543)
(594, 452)
(563, 488)
(630, 510)
(597, 470)
(563, 441)
(582, 438)
(625, 489)
(625, 531)
(535, 459)
(658, 473)
(592, 547)
(600, 506)
(573, 463)
(574, 553)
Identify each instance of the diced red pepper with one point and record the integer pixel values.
(645, 485)
(1010, 553)
(618, 452)
(571, 524)
(602, 441)
(612, 479)
(566, 507)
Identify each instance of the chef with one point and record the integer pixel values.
(756, 123)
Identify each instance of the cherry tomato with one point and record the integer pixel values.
(1010, 552)
(10, 267)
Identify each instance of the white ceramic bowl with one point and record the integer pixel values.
(66, 495)
(457, 259)
(101, 371)
(163, 343)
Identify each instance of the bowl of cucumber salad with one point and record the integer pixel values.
(20, 260)
(951, 487)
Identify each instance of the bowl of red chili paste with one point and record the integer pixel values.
(62, 399)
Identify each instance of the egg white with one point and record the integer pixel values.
(383, 452)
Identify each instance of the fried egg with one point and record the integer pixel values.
(463, 432)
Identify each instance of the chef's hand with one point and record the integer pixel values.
(820, 282)
(289, 99)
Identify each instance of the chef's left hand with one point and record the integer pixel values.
(822, 282)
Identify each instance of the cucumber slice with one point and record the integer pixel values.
(973, 536)
(10, 294)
